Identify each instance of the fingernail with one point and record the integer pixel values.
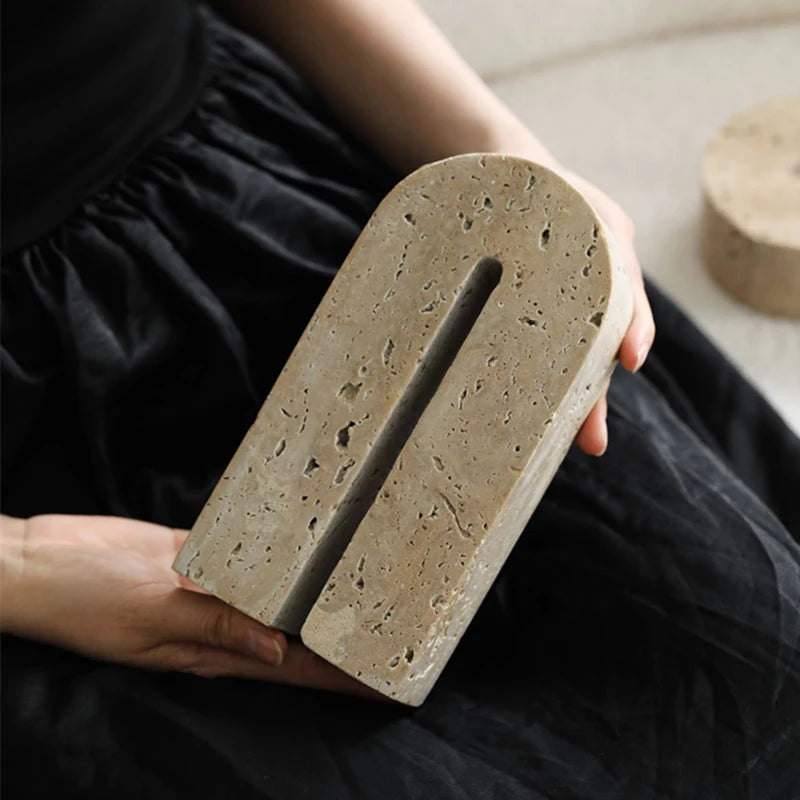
(265, 647)
(641, 355)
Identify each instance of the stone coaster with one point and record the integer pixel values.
(419, 420)
(751, 226)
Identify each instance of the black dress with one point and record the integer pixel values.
(640, 642)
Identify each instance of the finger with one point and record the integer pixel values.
(642, 330)
(592, 438)
(205, 661)
(301, 667)
(185, 616)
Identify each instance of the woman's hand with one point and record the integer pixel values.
(104, 587)
(593, 435)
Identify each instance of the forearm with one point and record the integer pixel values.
(390, 75)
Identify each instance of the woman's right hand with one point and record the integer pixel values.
(104, 587)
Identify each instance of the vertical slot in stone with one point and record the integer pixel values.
(467, 306)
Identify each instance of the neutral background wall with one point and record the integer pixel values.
(628, 93)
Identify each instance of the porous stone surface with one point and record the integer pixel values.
(751, 226)
(426, 407)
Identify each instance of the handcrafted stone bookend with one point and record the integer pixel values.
(419, 420)
(750, 236)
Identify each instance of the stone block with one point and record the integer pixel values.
(419, 420)
(751, 226)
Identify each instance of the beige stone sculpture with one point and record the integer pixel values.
(751, 225)
(419, 420)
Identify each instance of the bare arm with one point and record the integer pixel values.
(390, 75)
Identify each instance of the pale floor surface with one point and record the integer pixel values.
(628, 94)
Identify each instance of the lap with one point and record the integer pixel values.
(640, 640)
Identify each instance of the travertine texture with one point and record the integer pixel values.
(492, 272)
(751, 227)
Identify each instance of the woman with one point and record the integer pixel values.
(163, 250)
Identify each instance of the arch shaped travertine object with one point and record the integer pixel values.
(419, 419)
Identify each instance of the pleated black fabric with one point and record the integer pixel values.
(86, 84)
(640, 642)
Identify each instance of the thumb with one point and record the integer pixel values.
(592, 438)
(192, 617)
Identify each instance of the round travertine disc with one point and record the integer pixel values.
(751, 226)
